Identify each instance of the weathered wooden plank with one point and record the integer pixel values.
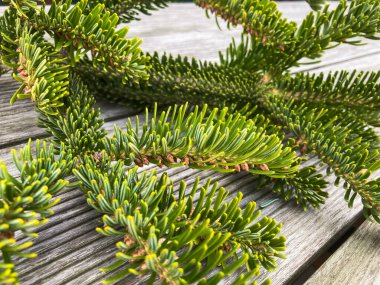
(62, 246)
(19, 121)
(366, 63)
(355, 262)
(184, 29)
(74, 220)
(67, 244)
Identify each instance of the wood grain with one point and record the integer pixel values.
(184, 29)
(67, 244)
(18, 121)
(355, 262)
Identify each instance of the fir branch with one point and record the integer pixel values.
(167, 73)
(42, 67)
(260, 19)
(306, 188)
(24, 9)
(341, 87)
(129, 10)
(179, 238)
(357, 118)
(43, 75)
(350, 160)
(222, 142)
(25, 202)
(172, 238)
(175, 81)
(79, 32)
(78, 125)
(8, 36)
(368, 115)
(267, 250)
(316, 4)
(347, 118)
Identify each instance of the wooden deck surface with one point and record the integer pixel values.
(71, 252)
(355, 262)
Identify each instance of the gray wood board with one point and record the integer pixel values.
(18, 121)
(71, 252)
(184, 29)
(70, 249)
(67, 244)
(355, 262)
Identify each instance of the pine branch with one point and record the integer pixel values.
(130, 10)
(25, 202)
(171, 237)
(222, 142)
(350, 160)
(341, 87)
